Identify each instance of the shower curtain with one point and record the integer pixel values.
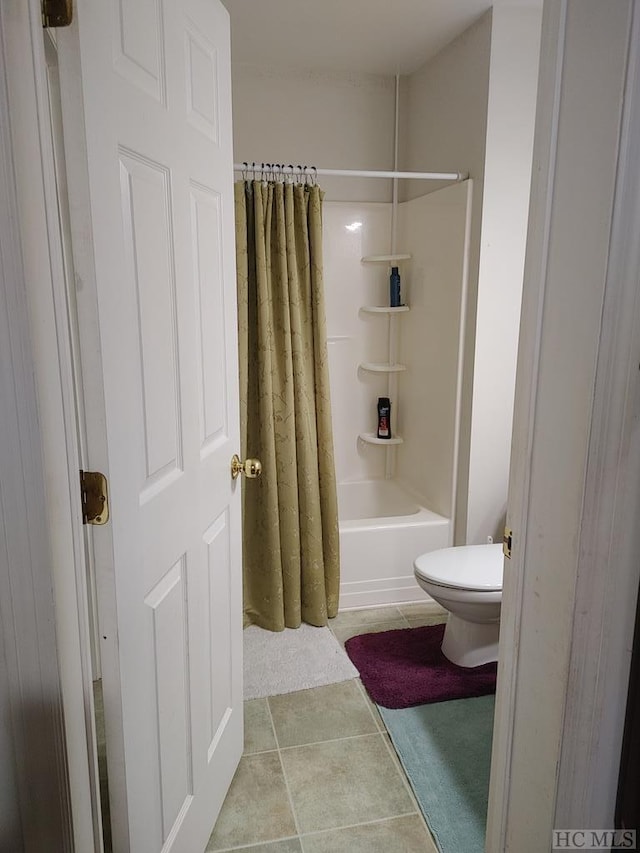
(290, 514)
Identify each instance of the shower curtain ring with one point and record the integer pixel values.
(244, 171)
(315, 176)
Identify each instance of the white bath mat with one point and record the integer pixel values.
(293, 659)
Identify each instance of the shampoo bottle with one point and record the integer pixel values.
(394, 288)
(384, 417)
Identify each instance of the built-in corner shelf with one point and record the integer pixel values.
(384, 259)
(385, 309)
(375, 367)
(391, 367)
(372, 438)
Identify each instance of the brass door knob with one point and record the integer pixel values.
(251, 468)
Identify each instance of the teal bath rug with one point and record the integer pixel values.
(445, 749)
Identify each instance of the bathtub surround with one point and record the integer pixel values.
(445, 750)
(291, 660)
(290, 518)
(406, 667)
(433, 228)
(382, 529)
(386, 523)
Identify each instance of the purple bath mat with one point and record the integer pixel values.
(406, 667)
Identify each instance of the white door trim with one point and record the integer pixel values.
(574, 725)
(524, 409)
(35, 809)
(23, 50)
(609, 570)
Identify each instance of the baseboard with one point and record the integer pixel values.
(384, 592)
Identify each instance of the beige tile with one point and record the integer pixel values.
(345, 633)
(373, 708)
(345, 782)
(257, 806)
(426, 620)
(323, 713)
(258, 731)
(365, 617)
(419, 609)
(398, 835)
(398, 764)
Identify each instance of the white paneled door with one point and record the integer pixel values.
(155, 81)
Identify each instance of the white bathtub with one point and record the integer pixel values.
(383, 528)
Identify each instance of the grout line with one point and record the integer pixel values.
(284, 774)
(399, 766)
(374, 628)
(387, 617)
(259, 752)
(301, 843)
(405, 779)
(356, 825)
(331, 740)
(255, 844)
(377, 720)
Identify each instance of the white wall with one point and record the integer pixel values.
(432, 229)
(332, 120)
(472, 108)
(443, 114)
(443, 127)
(513, 81)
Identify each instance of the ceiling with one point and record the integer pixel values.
(366, 36)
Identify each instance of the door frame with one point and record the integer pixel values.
(21, 46)
(562, 684)
(34, 179)
(35, 810)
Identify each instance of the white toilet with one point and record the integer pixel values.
(466, 581)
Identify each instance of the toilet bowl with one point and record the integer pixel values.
(466, 581)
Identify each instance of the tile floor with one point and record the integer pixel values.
(319, 773)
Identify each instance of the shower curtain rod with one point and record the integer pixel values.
(311, 171)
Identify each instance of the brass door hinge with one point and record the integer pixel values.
(506, 542)
(57, 13)
(95, 499)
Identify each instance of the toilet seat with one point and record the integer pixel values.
(477, 568)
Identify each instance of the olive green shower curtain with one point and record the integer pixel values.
(290, 514)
